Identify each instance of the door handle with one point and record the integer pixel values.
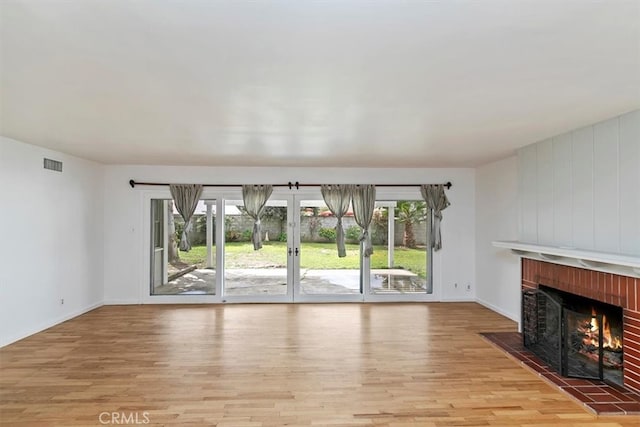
(297, 251)
(290, 252)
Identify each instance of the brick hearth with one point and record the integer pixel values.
(622, 291)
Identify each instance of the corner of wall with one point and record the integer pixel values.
(496, 217)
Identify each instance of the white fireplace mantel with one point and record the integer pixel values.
(626, 265)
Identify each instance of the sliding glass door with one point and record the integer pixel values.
(399, 265)
(263, 274)
(298, 261)
(181, 272)
(321, 274)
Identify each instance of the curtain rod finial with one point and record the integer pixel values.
(132, 183)
(448, 185)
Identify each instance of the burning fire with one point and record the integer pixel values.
(608, 341)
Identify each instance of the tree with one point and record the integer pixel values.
(276, 213)
(379, 226)
(313, 221)
(172, 254)
(410, 213)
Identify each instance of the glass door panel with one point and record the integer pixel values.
(321, 271)
(177, 272)
(263, 273)
(399, 261)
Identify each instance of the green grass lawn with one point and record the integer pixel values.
(313, 256)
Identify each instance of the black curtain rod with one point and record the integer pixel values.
(290, 184)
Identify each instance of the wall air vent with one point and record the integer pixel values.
(53, 165)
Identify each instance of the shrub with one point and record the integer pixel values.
(328, 234)
(353, 234)
(199, 234)
(246, 236)
(314, 222)
(179, 226)
(282, 237)
(231, 236)
(380, 226)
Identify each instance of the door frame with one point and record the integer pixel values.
(145, 295)
(294, 248)
(396, 194)
(314, 194)
(278, 194)
(293, 295)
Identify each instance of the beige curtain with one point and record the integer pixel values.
(364, 202)
(185, 197)
(436, 199)
(255, 199)
(337, 198)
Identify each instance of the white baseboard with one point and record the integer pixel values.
(122, 302)
(457, 300)
(46, 325)
(512, 316)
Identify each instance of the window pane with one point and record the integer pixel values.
(176, 272)
(322, 272)
(399, 261)
(251, 272)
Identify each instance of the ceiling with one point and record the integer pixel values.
(312, 83)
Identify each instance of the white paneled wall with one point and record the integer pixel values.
(582, 189)
(606, 230)
(581, 165)
(562, 182)
(545, 191)
(527, 188)
(629, 178)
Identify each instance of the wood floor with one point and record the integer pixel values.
(276, 365)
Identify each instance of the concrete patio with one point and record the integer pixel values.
(273, 281)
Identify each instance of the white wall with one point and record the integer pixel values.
(497, 270)
(582, 189)
(126, 272)
(52, 231)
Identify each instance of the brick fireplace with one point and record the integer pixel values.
(614, 289)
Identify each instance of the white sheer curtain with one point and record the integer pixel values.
(364, 202)
(186, 198)
(255, 199)
(337, 198)
(436, 199)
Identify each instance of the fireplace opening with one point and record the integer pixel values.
(577, 336)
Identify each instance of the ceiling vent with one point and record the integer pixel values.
(53, 165)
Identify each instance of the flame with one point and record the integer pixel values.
(608, 341)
